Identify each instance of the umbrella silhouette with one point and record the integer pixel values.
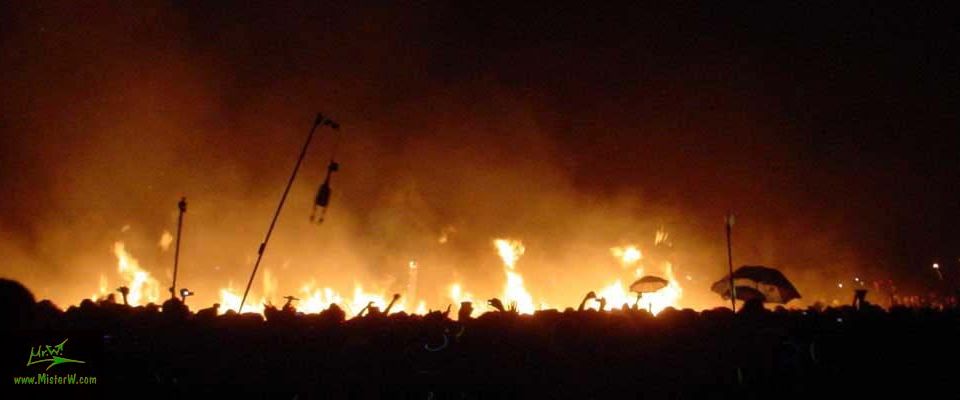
(745, 293)
(647, 284)
(768, 282)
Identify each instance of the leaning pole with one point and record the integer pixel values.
(733, 289)
(321, 120)
(182, 205)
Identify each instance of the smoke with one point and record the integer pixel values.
(453, 135)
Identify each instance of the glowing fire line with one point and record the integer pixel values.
(143, 288)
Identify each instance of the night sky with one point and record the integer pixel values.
(829, 129)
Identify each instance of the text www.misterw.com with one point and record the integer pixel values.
(53, 379)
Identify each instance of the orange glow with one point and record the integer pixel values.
(628, 255)
(314, 298)
(514, 292)
(143, 287)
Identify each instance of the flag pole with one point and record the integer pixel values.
(182, 205)
(733, 289)
(321, 120)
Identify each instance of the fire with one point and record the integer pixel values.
(617, 294)
(230, 300)
(361, 298)
(103, 291)
(666, 297)
(165, 240)
(412, 279)
(514, 291)
(313, 298)
(661, 237)
(458, 295)
(628, 255)
(421, 308)
(143, 287)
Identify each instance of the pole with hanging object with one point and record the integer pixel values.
(321, 120)
(733, 289)
(322, 200)
(182, 205)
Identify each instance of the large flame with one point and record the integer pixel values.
(316, 299)
(617, 294)
(514, 292)
(143, 287)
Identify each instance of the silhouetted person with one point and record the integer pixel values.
(16, 304)
(396, 296)
(209, 313)
(497, 304)
(174, 308)
(371, 310)
(124, 291)
(466, 308)
(288, 306)
(752, 306)
(333, 314)
(859, 298)
(48, 311)
(583, 303)
(108, 300)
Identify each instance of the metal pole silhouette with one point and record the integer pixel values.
(321, 120)
(182, 205)
(733, 289)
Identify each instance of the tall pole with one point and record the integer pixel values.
(182, 205)
(733, 289)
(321, 120)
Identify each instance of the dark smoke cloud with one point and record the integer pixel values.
(829, 132)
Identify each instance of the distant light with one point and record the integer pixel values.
(856, 279)
(840, 285)
(689, 278)
(839, 319)
(936, 266)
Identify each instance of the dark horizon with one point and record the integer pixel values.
(830, 131)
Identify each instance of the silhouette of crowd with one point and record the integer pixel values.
(572, 353)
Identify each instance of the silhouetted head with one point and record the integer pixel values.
(16, 304)
(334, 313)
(752, 306)
(466, 309)
(175, 308)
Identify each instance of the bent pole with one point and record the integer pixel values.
(263, 246)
